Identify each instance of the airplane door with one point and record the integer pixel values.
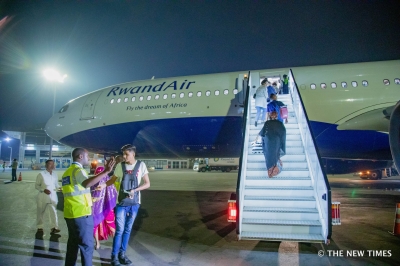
(254, 82)
(88, 108)
(241, 86)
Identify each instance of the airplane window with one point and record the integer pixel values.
(312, 86)
(157, 96)
(344, 84)
(148, 97)
(141, 98)
(354, 84)
(63, 109)
(181, 95)
(333, 85)
(119, 100)
(199, 94)
(397, 81)
(173, 95)
(112, 101)
(190, 94)
(133, 98)
(365, 83)
(386, 82)
(208, 93)
(323, 85)
(165, 96)
(226, 92)
(235, 91)
(216, 92)
(126, 99)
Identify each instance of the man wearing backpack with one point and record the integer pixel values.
(128, 176)
(276, 106)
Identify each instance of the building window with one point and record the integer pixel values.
(198, 93)
(141, 98)
(181, 95)
(216, 92)
(112, 101)
(190, 94)
(119, 100)
(173, 95)
(157, 97)
(133, 98)
(354, 84)
(333, 85)
(235, 91)
(386, 82)
(208, 93)
(148, 97)
(165, 96)
(344, 84)
(226, 92)
(397, 81)
(323, 85)
(365, 83)
(312, 86)
(126, 100)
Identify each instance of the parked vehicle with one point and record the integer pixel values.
(216, 164)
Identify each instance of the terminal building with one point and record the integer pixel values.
(32, 149)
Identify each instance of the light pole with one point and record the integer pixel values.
(53, 75)
(10, 154)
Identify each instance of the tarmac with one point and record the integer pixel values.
(182, 221)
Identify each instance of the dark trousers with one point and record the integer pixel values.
(80, 237)
(14, 174)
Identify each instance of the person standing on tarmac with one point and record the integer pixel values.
(78, 207)
(14, 167)
(128, 176)
(47, 185)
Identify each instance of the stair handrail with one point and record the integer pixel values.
(243, 157)
(319, 179)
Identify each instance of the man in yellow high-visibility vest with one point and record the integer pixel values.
(78, 207)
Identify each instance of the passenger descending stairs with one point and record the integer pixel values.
(283, 207)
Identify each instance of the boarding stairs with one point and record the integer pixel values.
(294, 205)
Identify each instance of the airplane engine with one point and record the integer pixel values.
(394, 135)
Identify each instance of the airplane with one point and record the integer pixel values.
(349, 107)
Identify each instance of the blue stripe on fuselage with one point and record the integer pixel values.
(218, 137)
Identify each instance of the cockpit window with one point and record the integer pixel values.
(63, 109)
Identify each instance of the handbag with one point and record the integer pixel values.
(276, 169)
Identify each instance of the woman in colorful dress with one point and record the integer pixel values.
(104, 201)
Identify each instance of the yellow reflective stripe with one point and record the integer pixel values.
(77, 193)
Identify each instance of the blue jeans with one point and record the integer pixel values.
(124, 218)
(262, 111)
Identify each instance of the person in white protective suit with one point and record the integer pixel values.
(47, 184)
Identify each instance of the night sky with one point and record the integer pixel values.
(101, 43)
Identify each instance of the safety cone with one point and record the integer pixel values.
(20, 177)
(396, 228)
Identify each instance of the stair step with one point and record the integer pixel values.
(286, 165)
(292, 157)
(279, 198)
(278, 188)
(289, 150)
(282, 213)
(282, 222)
(285, 210)
(286, 172)
(278, 181)
(282, 237)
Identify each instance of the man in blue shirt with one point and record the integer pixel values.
(275, 105)
(271, 91)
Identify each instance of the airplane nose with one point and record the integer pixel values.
(52, 128)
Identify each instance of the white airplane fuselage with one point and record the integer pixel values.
(201, 116)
